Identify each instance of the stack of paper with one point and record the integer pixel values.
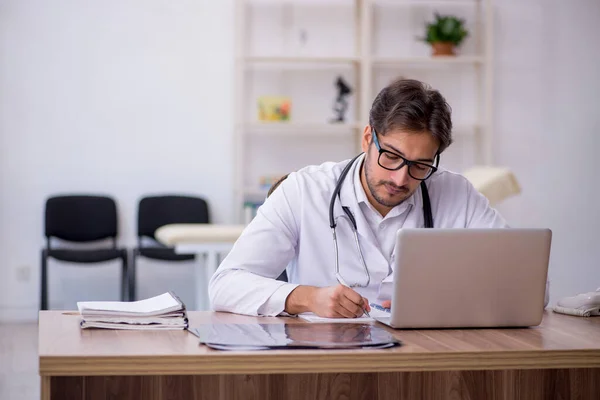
(164, 312)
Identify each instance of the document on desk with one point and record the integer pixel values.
(375, 313)
(310, 317)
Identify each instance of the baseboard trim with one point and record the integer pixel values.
(18, 314)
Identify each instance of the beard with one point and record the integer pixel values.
(380, 190)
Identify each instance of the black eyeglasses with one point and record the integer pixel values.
(393, 162)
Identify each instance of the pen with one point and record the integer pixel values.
(342, 282)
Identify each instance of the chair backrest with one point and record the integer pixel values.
(283, 277)
(80, 218)
(157, 211)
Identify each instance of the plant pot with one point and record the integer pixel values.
(443, 49)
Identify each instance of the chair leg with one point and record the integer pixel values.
(44, 282)
(132, 280)
(124, 278)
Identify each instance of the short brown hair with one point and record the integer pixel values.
(413, 106)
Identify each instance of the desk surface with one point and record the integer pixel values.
(561, 341)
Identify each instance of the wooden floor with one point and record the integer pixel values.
(19, 379)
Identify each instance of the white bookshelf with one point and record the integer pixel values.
(298, 48)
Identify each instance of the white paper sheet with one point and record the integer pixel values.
(310, 317)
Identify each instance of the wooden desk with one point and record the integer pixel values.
(558, 360)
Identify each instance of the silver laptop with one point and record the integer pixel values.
(467, 278)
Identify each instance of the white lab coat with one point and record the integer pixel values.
(291, 230)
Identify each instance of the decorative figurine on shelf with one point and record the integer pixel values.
(341, 104)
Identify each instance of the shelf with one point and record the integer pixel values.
(310, 129)
(300, 60)
(427, 3)
(299, 128)
(324, 3)
(350, 3)
(320, 129)
(469, 59)
(437, 60)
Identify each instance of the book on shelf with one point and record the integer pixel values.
(163, 312)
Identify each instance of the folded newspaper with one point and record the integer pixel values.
(164, 312)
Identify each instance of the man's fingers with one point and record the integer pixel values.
(355, 309)
(347, 302)
(352, 295)
(366, 304)
(343, 311)
(386, 304)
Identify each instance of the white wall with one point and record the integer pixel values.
(131, 97)
(124, 98)
(548, 129)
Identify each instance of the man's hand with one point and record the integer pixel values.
(331, 302)
(338, 302)
(386, 304)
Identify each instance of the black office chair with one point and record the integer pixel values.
(81, 219)
(157, 211)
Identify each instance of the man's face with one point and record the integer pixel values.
(386, 189)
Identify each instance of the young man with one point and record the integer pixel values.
(386, 188)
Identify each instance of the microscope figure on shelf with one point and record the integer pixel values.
(341, 104)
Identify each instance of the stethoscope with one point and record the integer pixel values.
(428, 218)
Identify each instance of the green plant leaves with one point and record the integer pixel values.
(446, 28)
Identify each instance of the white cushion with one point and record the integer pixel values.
(174, 234)
(494, 183)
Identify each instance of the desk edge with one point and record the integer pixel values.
(315, 362)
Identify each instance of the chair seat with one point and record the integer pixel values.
(87, 256)
(163, 253)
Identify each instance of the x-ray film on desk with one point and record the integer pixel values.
(294, 336)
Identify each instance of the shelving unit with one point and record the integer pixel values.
(297, 48)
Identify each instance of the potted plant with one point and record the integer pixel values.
(445, 34)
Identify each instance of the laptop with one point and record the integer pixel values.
(468, 278)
